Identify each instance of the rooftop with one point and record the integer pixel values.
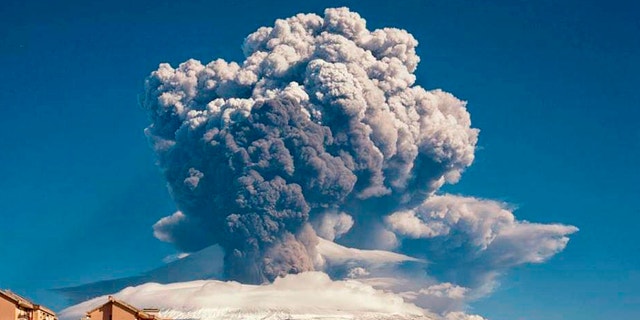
(24, 302)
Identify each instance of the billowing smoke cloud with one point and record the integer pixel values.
(321, 125)
(470, 241)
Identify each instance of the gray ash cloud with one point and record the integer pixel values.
(323, 116)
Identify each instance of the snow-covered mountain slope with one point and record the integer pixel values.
(207, 264)
(204, 264)
(311, 295)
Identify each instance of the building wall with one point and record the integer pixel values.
(42, 315)
(122, 314)
(111, 311)
(103, 313)
(7, 309)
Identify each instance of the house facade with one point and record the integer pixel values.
(116, 309)
(15, 307)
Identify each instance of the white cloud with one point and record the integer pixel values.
(357, 272)
(333, 225)
(162, 229)
(458, 315)
(337, 255)
(441, 297)
(173, 257)
(445, 290)
(480, 219)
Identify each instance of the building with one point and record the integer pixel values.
(15, 307)
(116, 309)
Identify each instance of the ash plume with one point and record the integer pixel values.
(322, 117)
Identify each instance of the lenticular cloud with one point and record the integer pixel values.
(321, 117)
(322, 135)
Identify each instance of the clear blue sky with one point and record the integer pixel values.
(553, 86)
